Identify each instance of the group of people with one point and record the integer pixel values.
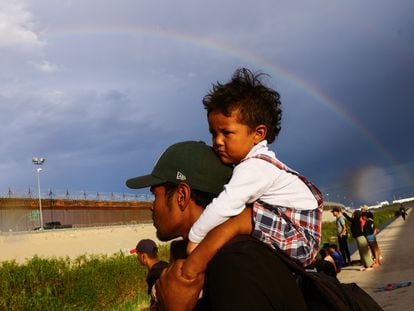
(364, 231)
(242, 211)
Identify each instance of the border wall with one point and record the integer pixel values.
(22, 214)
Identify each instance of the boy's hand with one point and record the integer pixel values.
(191, 246)
(176, 293)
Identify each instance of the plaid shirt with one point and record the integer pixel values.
(295, 232)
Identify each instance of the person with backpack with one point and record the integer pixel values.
(361, 241)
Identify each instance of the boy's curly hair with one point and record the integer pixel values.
(257, 103)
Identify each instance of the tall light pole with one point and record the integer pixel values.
(39, 161)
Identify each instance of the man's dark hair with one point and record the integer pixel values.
(257, 103)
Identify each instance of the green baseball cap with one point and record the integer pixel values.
(192, 162)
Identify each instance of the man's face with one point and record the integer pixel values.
(166, 215)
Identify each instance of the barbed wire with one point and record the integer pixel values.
(75, 195)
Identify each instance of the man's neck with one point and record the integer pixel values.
(194, 213)
(151, 262)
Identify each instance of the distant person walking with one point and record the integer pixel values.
(403, 212)
(342, 234)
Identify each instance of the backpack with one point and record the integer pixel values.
(325, 292)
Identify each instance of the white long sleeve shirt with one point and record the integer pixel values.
(253, 179)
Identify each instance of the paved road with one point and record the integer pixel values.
(397, 247)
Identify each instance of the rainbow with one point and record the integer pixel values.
(245, 56)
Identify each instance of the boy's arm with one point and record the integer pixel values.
(250, 180)
(197, 261)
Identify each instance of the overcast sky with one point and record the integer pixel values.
(101, 88)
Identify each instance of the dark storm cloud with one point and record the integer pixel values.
(101, 95)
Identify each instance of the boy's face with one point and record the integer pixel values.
(232, 140)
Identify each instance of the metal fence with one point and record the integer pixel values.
(19, 210)
(75, 195)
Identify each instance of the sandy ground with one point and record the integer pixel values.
(394, 241)
(73, 242)
(397, 266)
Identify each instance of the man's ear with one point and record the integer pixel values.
(144, 257)
(183, 195)
(260, 133)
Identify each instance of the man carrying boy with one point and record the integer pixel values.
(244, 116)
(245, 274)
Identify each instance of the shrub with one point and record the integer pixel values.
(87, 283)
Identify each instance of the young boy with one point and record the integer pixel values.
(244, 116)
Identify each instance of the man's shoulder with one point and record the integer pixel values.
(242, 239)
(158, 267)
(244, 244)
(161, 264)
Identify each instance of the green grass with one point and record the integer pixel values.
(86, 283)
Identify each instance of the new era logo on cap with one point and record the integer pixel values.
(203, 169)
(180, 176)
